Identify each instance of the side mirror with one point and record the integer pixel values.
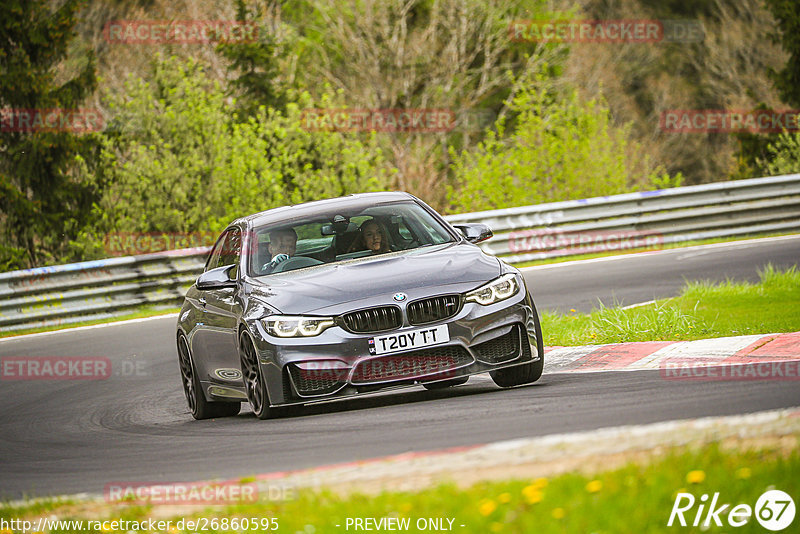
(475, 232)
(217, 278)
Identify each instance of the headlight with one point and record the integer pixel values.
(500, 289)
(292, 326)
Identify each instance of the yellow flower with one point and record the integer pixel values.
(106, 528)
(504, 497)
(695, 477)
(6, 531)
(532, 493)
(486, 507)
(558, 513)
(496, 527)
(405, 507)
(540, 482)
(572, 310)
(743, 473)
(594, 486)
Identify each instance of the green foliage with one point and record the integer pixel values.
(177, 158)
(783, 155)
(42, 203)
(787, 80)
(761, 154)
(255, 64)
(561, 148)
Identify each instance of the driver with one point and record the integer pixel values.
(282, 246)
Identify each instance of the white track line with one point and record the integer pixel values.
(88, 327)
(727, 244)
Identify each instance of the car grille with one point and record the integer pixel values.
(500, 349)
(315, 382)
(372, 320)
(424, 362)
(433, 309)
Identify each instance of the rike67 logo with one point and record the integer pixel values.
(774, 510)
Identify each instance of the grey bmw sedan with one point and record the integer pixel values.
(348, 296)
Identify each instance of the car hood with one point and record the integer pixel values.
(338, 287)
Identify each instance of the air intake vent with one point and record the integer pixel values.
(372, 320)
(433, 309)
(500, 349)
(308, 383)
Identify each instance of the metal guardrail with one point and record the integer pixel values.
(97, 289)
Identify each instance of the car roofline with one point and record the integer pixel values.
(291, 210)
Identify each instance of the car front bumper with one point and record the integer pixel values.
(338, 363)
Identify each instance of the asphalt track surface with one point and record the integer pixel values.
(61, 437)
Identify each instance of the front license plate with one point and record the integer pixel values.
(414, 339)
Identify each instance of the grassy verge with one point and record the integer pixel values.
(668, 246)
(703, 310)
(138, 313)
(637, 498)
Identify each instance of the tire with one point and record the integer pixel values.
(526, 373)
(257, 392)
(446, 383)
(198, 405)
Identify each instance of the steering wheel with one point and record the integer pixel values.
(298, 262)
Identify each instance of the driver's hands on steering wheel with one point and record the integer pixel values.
(270, 266)
(279, 259)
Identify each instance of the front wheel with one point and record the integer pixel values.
(253, 379)
(526, 373)
(198, 405)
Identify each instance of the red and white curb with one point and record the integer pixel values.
(595, 450)
(782, 350)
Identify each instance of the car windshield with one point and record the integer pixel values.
(339, 234)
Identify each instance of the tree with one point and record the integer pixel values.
(756, 151)
(254, 62)
(561, 148)
(787, 80)
(177, 158)
(42, 203)
(449, 55)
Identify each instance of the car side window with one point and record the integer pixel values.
(213, 259)
(231, 250)
(227, 250)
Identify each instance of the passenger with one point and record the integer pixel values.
(282, 246)
(374, 237)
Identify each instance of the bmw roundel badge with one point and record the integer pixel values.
(400, 297)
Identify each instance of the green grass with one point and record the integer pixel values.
(703, 310)
(138, 313)
(637, 498)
